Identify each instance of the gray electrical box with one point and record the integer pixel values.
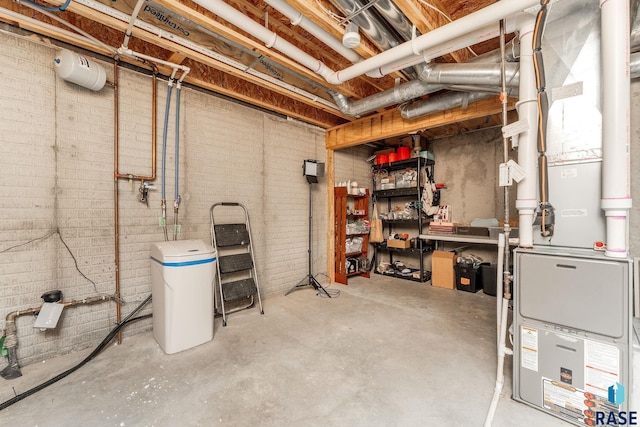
(572, 333)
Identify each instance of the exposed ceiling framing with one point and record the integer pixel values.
(265, 77)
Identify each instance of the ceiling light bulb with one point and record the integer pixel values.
(351, 36)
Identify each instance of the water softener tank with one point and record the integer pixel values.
(79, 70)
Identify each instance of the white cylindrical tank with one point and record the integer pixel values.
(79, 70)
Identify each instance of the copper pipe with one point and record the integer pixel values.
(116, 207)
(12, 370)
(154, 113)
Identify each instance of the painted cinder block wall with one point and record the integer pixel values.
(57, 174)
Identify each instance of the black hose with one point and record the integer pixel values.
(112, 334)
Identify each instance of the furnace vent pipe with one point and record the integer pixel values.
(460, 27)
(269, 38)
(485, 33)
(527, 198)
(616, 191)
(457, 28)
(297, 18)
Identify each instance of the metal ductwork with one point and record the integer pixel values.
(381, 34)
(475, 75)
(469, 74)
(401, 93)
(444, 102)
(384, 24)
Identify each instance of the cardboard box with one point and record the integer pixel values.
(442, 269)
(401, 244)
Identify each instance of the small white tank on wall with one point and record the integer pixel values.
(79, 70)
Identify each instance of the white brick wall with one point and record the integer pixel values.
(57, 173)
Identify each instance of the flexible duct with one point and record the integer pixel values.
(616, 192)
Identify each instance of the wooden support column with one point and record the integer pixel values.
(331, 235)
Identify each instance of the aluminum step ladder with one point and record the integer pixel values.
(237, 279)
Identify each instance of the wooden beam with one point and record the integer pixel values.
(203, 76)
(391, 124)
(147, 37)
(330, 173)
(426, 19)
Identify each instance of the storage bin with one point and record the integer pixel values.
(489, 279)
(488, 273)
(468, 278)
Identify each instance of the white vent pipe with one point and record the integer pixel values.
(527, 107)
(616, 191)
(297, 18)
(269, 38)
(485, 33)
(467, 24)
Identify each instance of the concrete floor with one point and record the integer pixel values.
(386, 352)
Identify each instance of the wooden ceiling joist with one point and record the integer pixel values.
(390, 123)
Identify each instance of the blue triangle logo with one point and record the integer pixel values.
(616, 394)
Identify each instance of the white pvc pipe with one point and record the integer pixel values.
(82, 37)
(485, 33)
(457, 28)
(499, 286)
(297, 18)
(526, 201)
(502, 352)
(616, 191)
(269, 38)
(188, 44)
(132, 21)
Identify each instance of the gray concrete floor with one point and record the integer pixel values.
(386, 352)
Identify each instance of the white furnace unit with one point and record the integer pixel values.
(572, 333)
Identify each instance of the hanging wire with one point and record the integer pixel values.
(75, 261)
(432, 7)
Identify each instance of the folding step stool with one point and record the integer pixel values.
(237, 276)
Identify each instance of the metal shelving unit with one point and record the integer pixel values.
(417, 224)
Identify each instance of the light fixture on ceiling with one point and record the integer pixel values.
(351, 37)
